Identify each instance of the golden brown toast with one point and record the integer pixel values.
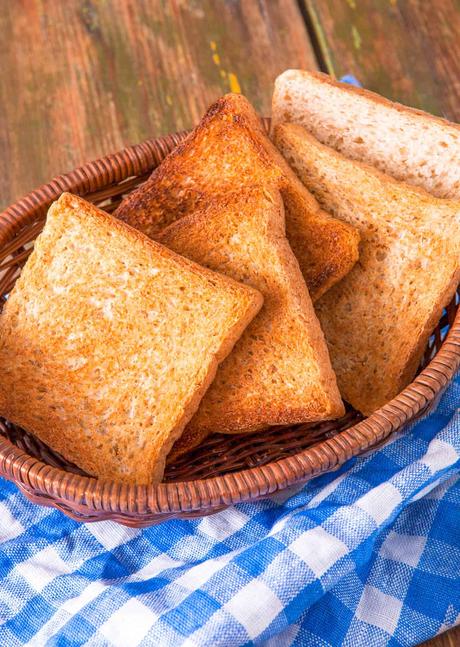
(108, 342)
(279, 372)
(378, 320)
(227, 151)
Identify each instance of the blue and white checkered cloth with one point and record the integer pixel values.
(368, 555)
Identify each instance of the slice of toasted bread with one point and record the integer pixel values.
(108, 342)
(190, 439)
(227, 151)
(408, 144)
(377, 321)
(279, 371)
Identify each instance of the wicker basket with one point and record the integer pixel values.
(226, 469)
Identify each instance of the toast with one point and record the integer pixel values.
(108, 342)
(408, 144)
(378, 320)
(230, 149)
(279, 372)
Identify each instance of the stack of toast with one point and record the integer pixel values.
(250, 282)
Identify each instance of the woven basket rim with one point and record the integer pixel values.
(112, 499)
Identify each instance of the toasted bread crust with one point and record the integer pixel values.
(94, 359)
(227, 151)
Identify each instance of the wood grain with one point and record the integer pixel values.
(407, 50)
(82, 78)
(448, 639)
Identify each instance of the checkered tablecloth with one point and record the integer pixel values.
(366, 556)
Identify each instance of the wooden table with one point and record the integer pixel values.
(81, 78)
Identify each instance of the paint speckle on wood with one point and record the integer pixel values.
(356, 37)
(233, 82)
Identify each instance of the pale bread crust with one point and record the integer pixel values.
(377, 321)
(227, 151)
(279, 372)
(366, 94)
(95, 359)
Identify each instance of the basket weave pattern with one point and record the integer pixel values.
(225, 469)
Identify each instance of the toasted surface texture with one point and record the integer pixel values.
(227, 151)
(408, 144)
(377, 321)
(109, 340)
(279, 371)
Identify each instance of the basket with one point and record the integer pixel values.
(225, 469)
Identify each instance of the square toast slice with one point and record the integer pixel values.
(227, 151)
(409, 144)
(108, 342)
(378, 319)
(279, 372)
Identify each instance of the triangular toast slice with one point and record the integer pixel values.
(411, 145)
(227, 151)
(378, 319)
(108, 342)
(279, 372)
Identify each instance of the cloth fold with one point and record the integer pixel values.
(366, 555)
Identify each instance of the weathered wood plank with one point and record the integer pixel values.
(407, 50)
(448, 639)
(82, 78)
